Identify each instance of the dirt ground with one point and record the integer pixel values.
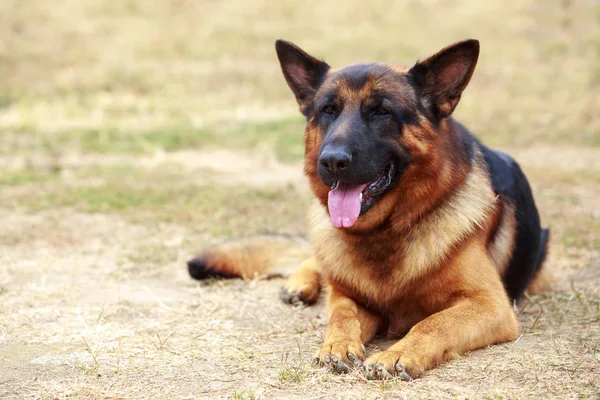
(133, 134)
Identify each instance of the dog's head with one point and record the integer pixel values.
(375, 131)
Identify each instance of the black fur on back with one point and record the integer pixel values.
(510, 183)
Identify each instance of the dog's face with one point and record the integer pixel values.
(373, 129)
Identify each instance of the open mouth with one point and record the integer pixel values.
(346, 201)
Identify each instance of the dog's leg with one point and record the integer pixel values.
(350, 327)
(479, 316)
(303, 285)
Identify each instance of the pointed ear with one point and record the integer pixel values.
(303, 73)
(443, 76)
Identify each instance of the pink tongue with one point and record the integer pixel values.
(344, 204)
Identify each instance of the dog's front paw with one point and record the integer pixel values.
(341, 356)
(390, 364)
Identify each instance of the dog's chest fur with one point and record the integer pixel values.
(380, 270)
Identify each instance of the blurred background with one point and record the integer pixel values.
(130, 105)
(134, 133)
(79, 74)
(89, 86)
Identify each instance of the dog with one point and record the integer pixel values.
(418, 230)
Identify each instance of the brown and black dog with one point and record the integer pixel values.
(418, 229)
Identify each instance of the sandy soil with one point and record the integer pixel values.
(82, 316)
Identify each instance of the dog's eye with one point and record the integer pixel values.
(381, 111)
(329, 109)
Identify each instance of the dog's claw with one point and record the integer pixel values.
(296, 297)
(377, 372)
(385, 375)
(341, 357)
(402, 374)
(341, 368)
(336, 366)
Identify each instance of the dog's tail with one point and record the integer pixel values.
(542, 278)
(253, 257)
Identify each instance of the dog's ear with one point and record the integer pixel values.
(443, 76)
(303, 73)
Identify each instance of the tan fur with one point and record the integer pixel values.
(305, 282)
(474, 314)
(350, 325)
(541, 282)
(501, 246)
(259, 256)
(426, 245)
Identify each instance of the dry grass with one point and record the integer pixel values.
(134, 133)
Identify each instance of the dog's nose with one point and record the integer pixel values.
(335, 158)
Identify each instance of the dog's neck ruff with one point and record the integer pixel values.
(433, 237)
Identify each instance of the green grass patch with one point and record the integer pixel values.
(121, 141)
(132, 174)
(104, 198)
(285, 136)
(293, 374)
(244, 394)
(20, 177)
(166, 193)
(221, 210)
(106, 140)
(591, 140)
(583, 238)
(6, 100)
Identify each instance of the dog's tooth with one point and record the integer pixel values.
(360, 197)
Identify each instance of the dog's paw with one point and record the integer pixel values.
(341, 356)
(296, 291)
(290, 297)
(389, 365)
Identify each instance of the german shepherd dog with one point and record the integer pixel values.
(418, 230)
